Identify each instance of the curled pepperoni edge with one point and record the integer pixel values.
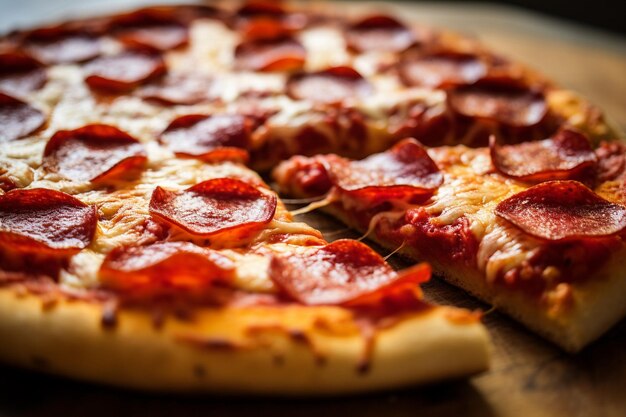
(109, 85)
(293, 60)
(353, 257)
(577, 142)
(34, 198)
(97, 133)
(219, 153)
(7, 100)
(146, 280)
(552, 193)
(225, 187)
(341, 74)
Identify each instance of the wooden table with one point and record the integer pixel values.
(529, 377)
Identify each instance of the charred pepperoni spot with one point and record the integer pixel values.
(502, 101)
(44, 220)
(379, 33)
(60, 45)
(20, 73)
(442, 241)
(216, 137)
(93, 153)
(404, 170)
(179, 89)
(280, 54)
(328, 86)
(442, 70)
(567, 155)
(559, 210)
(345, 271)
(164, 269)
(123, 72)
(221, 208)
(17, 118)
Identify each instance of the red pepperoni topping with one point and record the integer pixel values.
(567, 155)
(379, 33)
(93, 153)
(611, 161)
(558, 210)
(404, 170)
(39, 219)
(18, 119)
(266, 10)
(280, 54)
(123, 72)
(501, 101)
(20, 73)
(328, 86)
(217, 137)
(218, 208)
(179, 89)
(342, 272)
(264, 28)
(60, 45)
(152, 29)
(442, 70)
(164, 269)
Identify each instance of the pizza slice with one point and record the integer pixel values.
(537, 229)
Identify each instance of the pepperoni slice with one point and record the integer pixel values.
(221, 208)
(265, 28)
(164, 269)
(214, 138)
(152, 29)
(18, 119)
(40, 219)
(404, 170)
(279, 54)
(179, 89)
(123, 72)
(328, 86)
(502, 101)
(441, 70)
(266, 10)
(20, 73)
(342, 272)
(558, 210)
(379, 33)
(93, 153)
(60, 45)
(567, 155)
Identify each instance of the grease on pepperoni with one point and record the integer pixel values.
(61, 45)
(440, 70)
(504, 101)
(164, 269)
(222, 208)
(123, 72)
(214, 138)
(379, 33)
(20, 73)
(278, 54)
(17, 118)
(179, 89)
(339, 273)
(328, 86)
(404, 170)
(38, 219)
(566, 155)
(558, 210)
(93, 153)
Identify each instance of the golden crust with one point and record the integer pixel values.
(262, 350)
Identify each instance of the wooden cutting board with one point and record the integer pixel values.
(529, 377)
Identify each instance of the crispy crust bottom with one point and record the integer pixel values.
(262, 350)
(597, 303)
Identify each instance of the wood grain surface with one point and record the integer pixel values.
(529, 377)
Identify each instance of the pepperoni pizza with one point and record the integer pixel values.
(140, 248)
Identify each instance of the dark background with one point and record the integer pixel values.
(609, 15)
